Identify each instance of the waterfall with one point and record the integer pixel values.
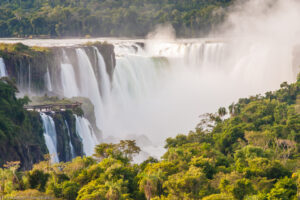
(3, 71)
(73, 155)
(193, 78)
(161, 89)
(29, 79)
(134, 76)
(69, 84)
(89, 85)
(213, 54)
(136, 84)
(198, 54)
(104, 78)
(67, 76)
(85, 131)
(50, 136)
(22, 77)
(48, 81)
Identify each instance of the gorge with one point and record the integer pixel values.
(134, 89)
(150, 100)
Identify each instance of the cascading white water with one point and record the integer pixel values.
(29, 79)
(104, 78)
(213, 54)
(48, 81)
(89, 85)
(128, 48)
(3, 71)
(73, 155)
(85, 131)
(197, 77)
(50, 136)
(69, 84)
(201, 54)
(134, 76)
(68, 80)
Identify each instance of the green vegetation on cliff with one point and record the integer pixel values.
(21, 132)
(20, 18)
(20, 49)
(251, 152)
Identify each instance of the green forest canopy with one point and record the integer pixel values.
(127, 18)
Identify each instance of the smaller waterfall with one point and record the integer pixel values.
(48, 80)
(89, 85)
(68, 79)
(85, 131)
(135, 76)
(69, 85)
(213, 54)
(3, 71)
(105, 82)
(73, 155)
(29, 79)
(50, 136)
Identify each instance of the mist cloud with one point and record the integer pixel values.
(163, 32)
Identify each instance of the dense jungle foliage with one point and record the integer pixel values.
(251, 152)
(21, 132)
(66, 18)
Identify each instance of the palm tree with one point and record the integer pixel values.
(115, 190)
(150, 183)
(230, 108)
(222, 112)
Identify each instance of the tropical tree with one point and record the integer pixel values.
(151, 183)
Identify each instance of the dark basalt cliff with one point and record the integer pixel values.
(28, 65)
(66, 133)
(27, 145)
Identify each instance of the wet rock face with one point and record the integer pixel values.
(74, 138)
(66, 135)
(29, 146)
(108, 53)
(29, 68)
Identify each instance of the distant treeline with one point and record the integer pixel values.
(128, 18)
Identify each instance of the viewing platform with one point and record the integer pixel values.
(52, 107)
